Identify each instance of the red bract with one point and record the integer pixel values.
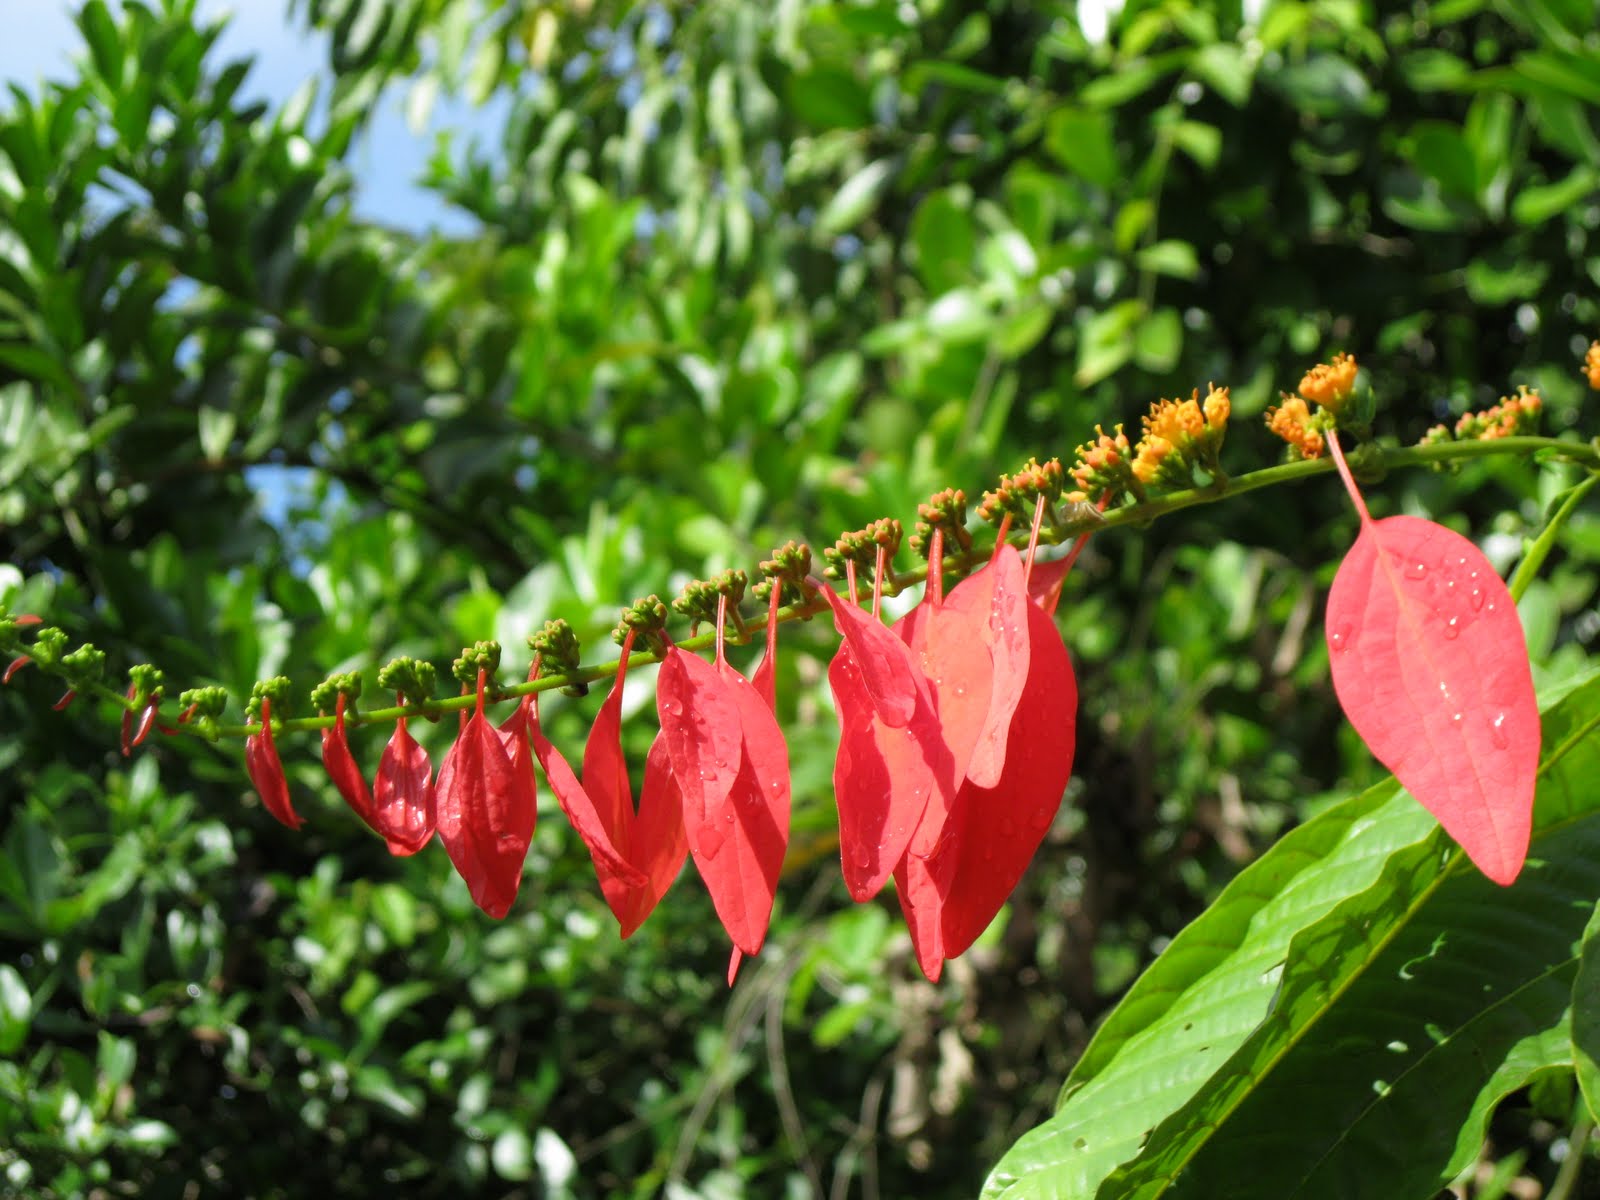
(342, 769)
(729, 759)
(893, 755)
(484, 811)
(617, 876)
(1007, 704)
(17, 664)
(403, 797)
(1002, 826)
(1430, 665)
(637, 854)
(266, 771)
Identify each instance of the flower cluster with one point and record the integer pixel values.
(1591, 365)
(1104, 469)
(1292, 421)
(1180, 435)
(1513, 416)
(1330, 384)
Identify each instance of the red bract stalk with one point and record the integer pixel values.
(16, 665)
(66, 699)
(266, 771)
(732, 766)
(1430, 664)
(127, 722)
(147, 719)
(484, 812)
(637, 853)
(342, 769)
(403, 797)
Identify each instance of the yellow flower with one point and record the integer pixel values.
(1591, 365)
(1291, 420)
(1178, 421)
(1149, 456)
(1330, 384)
(1217, 406)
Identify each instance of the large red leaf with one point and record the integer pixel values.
(266, 771)
(890, 766)
(1430, 665)
(403, 796)
(580, 808)
(1001, 827)
(342, 769)
(730, 762)
(484, 813)
(1007, 703)
(888, 673)
(650, 840)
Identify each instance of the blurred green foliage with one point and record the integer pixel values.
(741, 272)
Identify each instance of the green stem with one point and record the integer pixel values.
(1572, 1166)
(1540, 550)
(1585, 454)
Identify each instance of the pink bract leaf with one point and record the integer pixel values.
(730, 762)
(266, 771)
(580, 808)
(648, 842)
(483, 813)
(342, 769)
(887, 671)
(1001, 827)
(983, 622)
(883, 778)
(403, 794)
(1430, 665)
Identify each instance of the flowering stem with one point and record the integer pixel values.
(1586, 454)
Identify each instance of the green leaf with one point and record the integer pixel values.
(1081, 140)
(1170, 257)
(1159, 341)
(1130, 79)
(1199, 141)
(16, 1010)
(854, 199)
(943, 238)
(1106, 342)
(1351, 1007)
(1500, 277)
(1570, 73)
(1228, 70)
(1537, 204)
(1441, 153)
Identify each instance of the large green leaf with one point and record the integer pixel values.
(1344, 1018)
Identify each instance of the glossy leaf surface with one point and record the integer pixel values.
(403, 794)
(1327, 1019)
(1430, 665)
(266, 771)
(483, 814)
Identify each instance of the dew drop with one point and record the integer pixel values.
(1462, 561)
(1491, 606)
(1416, 570)
(1339, 638)
(1452, 629)
(1456, 717)
(1475, 598)
(1041, 817)
(1449, 585)
(1497, 732)
(864, 860)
